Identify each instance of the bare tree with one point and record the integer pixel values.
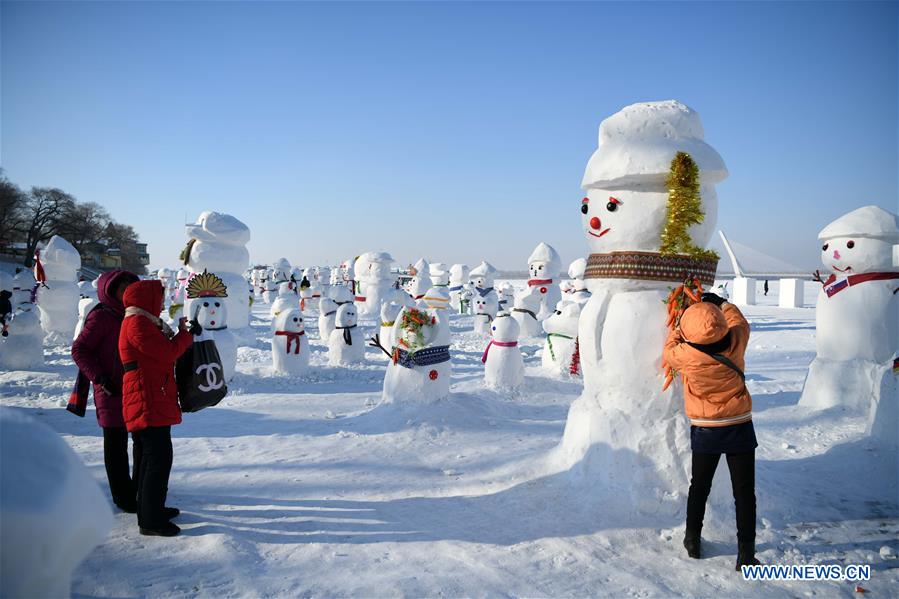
(44, 209)
(12, 202)
(125, 239)
(84, 223)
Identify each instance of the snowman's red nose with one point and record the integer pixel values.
(836, 254)
(595, 223)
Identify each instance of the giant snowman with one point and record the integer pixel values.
(857, 320)
(624, 434)
(218, 245)
(58, 295)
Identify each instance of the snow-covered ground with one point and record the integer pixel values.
(302, 487)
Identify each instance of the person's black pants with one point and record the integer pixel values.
(153, 476)
(122, 483)
(742, 479)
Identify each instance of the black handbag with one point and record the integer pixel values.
(200, 377)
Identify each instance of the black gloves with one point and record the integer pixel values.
(712, 299)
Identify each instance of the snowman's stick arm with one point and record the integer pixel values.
(376, 342)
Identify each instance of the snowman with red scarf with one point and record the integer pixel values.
(544, 267)
(857, 316)
(290, 348)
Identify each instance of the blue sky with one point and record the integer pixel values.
(457, 131)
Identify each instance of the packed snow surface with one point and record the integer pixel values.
(307, 487)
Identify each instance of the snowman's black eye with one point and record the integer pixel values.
(824, 247)
(611, 206)
(205, 304)
(850, 244)
(295, 319)
(217, 304)
(585, 209)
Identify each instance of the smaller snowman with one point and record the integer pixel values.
(579, 291)
(503, 363)
(481, 279)
(271, 290)
(421, 280)
(290, 349)
(419, 369)
(24, 288)
(544, 266)
(346, 345)
(505, 294)
(857, 315)
(527, 304)
(315, 290)
(281, 271)
(87, 303)
(484, 309)
(327, 312)
(560, 347)
(205, 295)
(22, 348)
(286, 300)
(457, 281)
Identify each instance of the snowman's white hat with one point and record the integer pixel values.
(436, 269)
(421, 267)
(381, 257)
(546, 253)
(224, 228)
(484, 268)
(638, 143)
(867, 221)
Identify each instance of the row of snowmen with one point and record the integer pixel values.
(439, 291)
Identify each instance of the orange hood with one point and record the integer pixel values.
(703, 323)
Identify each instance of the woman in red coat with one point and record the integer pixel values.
(149, 349)
(96, 353)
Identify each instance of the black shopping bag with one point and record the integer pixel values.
(200, 378)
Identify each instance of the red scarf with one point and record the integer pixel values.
(535, 282)
(832, 286)
(500, 344)
(291, 337)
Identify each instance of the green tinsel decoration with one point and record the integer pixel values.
(414, 321)
(684, 210)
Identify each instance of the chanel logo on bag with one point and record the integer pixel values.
(213, 381)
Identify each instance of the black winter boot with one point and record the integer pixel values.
(693, 544)
(746, 555)
(166, 530)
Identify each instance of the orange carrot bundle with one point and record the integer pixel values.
(680, 298)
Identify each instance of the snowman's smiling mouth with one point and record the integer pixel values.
(601, 233)
(847, 269)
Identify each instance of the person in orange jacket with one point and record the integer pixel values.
(707, 349)
(148, 349)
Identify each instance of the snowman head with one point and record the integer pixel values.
(211, 313)
(626, 199)
(458, 274)
(480, 305)
(346, 316)
(853, 255)
(290, 321)
(544, 262)
(505, 329)
(564, 320)
(860, 241)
